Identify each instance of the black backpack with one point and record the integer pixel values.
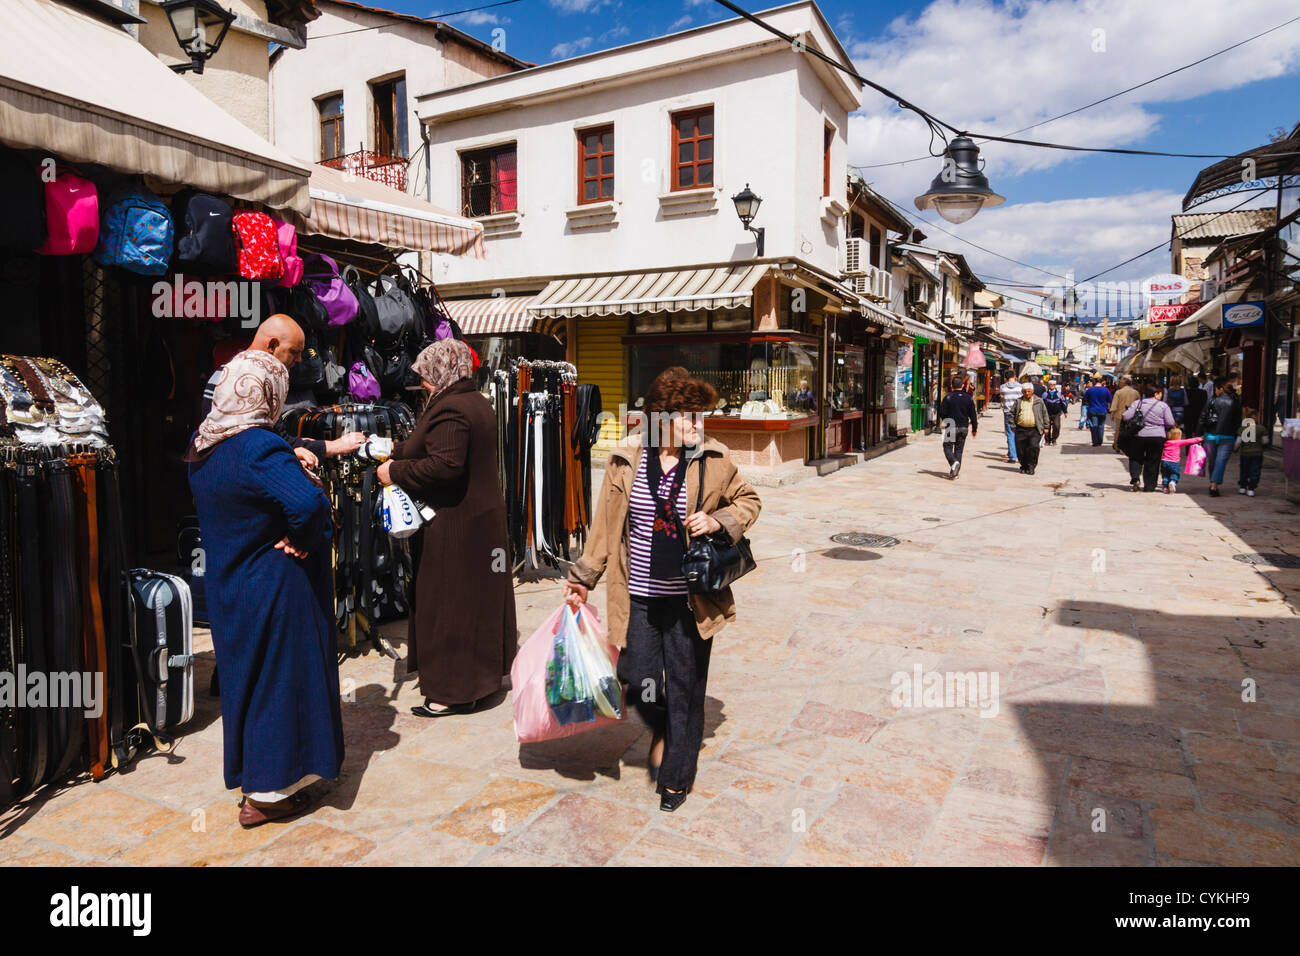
(205, 239)
(305, 309)
(22, 197)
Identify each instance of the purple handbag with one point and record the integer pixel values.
(321, 273)
(361, 384)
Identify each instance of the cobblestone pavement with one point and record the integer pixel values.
(1119, 627)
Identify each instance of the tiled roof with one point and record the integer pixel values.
(1217, 225)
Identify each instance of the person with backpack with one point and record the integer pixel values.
(957, 418)
(1219, 424)
(1096, 402)
(1176, 399)
(1144, 427)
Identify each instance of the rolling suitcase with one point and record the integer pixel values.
(161, 635)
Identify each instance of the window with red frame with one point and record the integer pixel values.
(488, 181)
(693, 148)
(596, 164)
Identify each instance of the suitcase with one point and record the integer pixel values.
(161, 635)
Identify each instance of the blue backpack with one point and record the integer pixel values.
(136, 233)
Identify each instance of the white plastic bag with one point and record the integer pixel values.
(401, 517)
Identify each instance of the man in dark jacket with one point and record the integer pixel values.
(957, 417)
(1029, 416)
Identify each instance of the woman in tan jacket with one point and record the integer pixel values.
(664, 631)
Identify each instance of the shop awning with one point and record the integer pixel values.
(883, 317)
(351, 207)
(82, 90)
(681, 290)
(1193, 356)
(494, 315)
(919, 329)
(1209, 315)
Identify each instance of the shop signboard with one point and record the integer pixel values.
(1243, 314)
(1166, 286)
(1153, 332)
(1047, 358)
(1171, 313)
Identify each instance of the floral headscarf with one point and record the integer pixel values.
(249, 394)
(443, 364)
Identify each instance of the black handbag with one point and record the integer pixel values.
(711, 562)
(1129, 427)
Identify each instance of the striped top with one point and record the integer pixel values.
(641, 516)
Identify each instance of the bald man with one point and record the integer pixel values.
(283, 337)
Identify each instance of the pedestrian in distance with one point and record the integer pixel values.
(461, 636)
(1031, 423)
(958, 418)
(666, 483)
(1176, 399)
(266, 540)
(1171, 461)
(1251, 453)
(1055, 402)
(1220, 423)
(1196, 402)
(1123, 398)
(1011, 392)
(1096, 402)
(1152, 419)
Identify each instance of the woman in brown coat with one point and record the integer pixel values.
(665, 632)
(462, 626)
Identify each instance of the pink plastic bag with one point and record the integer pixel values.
(1195, 460)
(534, 720)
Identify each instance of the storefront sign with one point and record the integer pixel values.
(1172, 313)
(1047, 358)
(1243, 314)
(1153, 331)
(1167, 286)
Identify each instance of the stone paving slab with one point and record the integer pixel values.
(1119, 629)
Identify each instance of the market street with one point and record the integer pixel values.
(1119, 628)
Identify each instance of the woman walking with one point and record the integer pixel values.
(266, 540)
(675, 480)
(1220, 422)
(1146, 448)
(1176, 399)
(462, 638)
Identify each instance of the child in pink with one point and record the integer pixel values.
(1171, 463)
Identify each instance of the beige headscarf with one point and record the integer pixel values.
(443, 364)
(249, 394)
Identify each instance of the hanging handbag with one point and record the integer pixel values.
(321, 273)
(398, 314)
(711, 562)
(1129, 427)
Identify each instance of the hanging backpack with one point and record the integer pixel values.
(71, 215)
(367, 315)
(257, 244)
(22, 228)
(308, 371)
(321, 273)
(398, 313)
(136, 232)
(286, 235)
(205, 243)
(301, 304)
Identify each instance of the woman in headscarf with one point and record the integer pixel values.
(266, 540)
(462, 637)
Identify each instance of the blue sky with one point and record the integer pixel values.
(995, 67)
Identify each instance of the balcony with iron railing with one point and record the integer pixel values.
(368, 164)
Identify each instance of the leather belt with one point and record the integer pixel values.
(33, 725)
(65, 634)
(94, 645)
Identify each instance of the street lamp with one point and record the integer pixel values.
(747, 203)
(193, 21)
(960, 190)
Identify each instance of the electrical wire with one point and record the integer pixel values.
(934, 120)
(409, 17)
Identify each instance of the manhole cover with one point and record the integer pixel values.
(1276, 560)
(861, 539)
(1075, 494)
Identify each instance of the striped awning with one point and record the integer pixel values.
(494, 315)
(348, 206)
(680, 290)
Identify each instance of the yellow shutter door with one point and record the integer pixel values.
(601, 362)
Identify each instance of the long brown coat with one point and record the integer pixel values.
(462, 627)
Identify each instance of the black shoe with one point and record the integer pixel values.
(1133, 486)
(1214, 492)
(668, 802)
(1031, 469)
(424, 710)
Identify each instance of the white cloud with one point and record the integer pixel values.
(614, 33)
(562, 51)
(474, 18)
(680, 22)
(578, 6)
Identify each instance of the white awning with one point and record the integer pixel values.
(494, 315)
(83, 90)
(678, 290)
(1193, 356)
(1209, 315)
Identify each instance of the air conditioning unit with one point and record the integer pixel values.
(861, 285)
(857, 257)
(882, 284)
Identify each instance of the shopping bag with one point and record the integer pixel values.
(569, 691)
(401, 516)
(600, 670)
(1195, 460)
(534, 720)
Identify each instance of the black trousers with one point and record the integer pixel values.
(666, 666)
(1027, 442)
(952, 449)
(1144, 460)
(1053, 428)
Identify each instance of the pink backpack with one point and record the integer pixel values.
(287, 238)
(258, 245)
(72, 212)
